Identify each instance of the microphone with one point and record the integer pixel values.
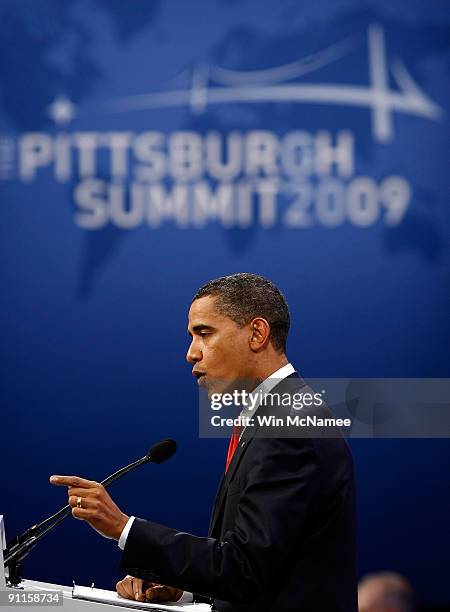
(158, 453)
(16, 551)
(161, 451)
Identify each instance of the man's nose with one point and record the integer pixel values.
(193, 354)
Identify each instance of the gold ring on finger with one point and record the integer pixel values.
(79, 502)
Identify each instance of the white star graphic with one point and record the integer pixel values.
(61, 110)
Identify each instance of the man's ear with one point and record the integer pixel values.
(260, 334)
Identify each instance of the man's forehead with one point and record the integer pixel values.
(204, 312)
(202, 308)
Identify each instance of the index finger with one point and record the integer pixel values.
(72, 481)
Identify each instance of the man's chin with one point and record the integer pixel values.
(215, 386)
(211, 386)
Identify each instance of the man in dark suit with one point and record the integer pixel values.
(282, 530)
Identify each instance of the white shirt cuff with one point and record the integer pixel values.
(125, 532)
(187, 597)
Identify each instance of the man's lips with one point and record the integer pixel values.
(198, 375)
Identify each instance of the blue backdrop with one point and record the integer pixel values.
(148, 146)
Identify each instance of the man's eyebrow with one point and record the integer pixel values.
(201, 327)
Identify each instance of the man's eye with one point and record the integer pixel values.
(204, 333)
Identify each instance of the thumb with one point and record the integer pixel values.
(138, 594)
(155, 591)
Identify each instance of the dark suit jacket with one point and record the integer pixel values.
(282, 530)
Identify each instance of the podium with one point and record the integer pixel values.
(72, 602)
(74, 598)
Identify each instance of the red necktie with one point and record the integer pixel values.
(234, 443)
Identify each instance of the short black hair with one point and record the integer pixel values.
(244, 296)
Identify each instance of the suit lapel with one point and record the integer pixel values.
(214, 512)
(249, 433)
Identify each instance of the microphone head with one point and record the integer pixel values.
(161, 451)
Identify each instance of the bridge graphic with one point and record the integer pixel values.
(212, 85)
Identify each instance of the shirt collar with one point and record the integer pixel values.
(272, 381)
(278, 376)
